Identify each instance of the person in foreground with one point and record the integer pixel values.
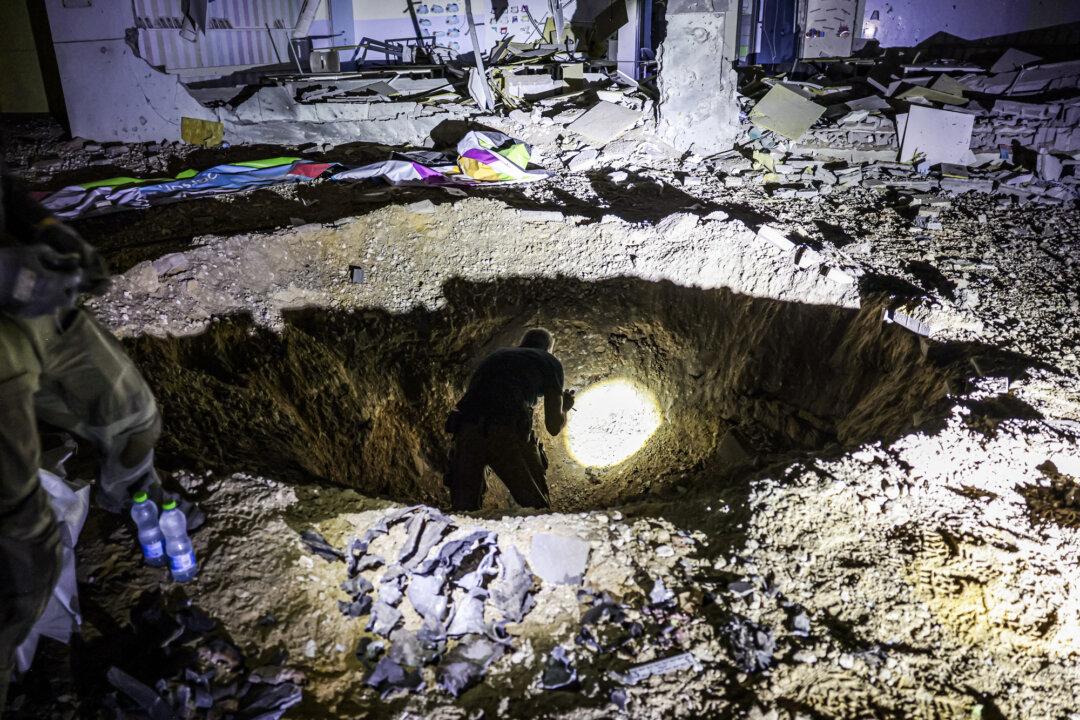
(57, 365)
(492, 424)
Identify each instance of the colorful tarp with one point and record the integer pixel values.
(484, 157)
(125, 192)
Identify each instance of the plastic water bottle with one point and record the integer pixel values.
(178, 547)
(145, 514)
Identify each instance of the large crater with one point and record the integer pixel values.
(359, 398)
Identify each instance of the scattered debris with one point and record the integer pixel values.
(675, 663)
(212, 679)
(559, 672)
(317, 544)
(752, 646)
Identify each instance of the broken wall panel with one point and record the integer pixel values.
(828, 28)
(938, 136)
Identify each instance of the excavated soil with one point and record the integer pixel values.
(359, 398)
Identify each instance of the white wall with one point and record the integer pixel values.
(908, 22)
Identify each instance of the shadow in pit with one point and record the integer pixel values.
(164, 641)
(359, 398)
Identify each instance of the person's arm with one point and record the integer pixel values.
(25, 220)
(557, 403)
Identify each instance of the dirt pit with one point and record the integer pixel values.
(360, 398)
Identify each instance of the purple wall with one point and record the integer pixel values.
(909, 22)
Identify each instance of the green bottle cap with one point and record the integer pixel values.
(141, 497)
(169, 505)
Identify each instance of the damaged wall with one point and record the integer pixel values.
(113, 94)
(697, 109)
(904, 24)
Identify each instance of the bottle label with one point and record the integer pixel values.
(180, 563)
(154, 550)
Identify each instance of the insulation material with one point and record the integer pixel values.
(207, 133)
(936, 136)
(786, 113)
(921, 94)
(1013, 59)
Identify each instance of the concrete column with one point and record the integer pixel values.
(697, 108)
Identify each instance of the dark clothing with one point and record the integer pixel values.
(516, 458)
(19, 213)
(492, 426)
(65, 369)
(509, 382)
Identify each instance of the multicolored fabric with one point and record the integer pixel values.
(126, 193)
(488, 156)
(484, 157)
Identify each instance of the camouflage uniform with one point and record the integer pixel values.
(62, 368)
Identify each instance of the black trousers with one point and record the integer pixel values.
(513, 454)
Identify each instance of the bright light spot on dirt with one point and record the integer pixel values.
(611, 421)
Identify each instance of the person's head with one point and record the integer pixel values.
(538, 339)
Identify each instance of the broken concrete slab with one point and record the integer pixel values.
(559, 559)
(582, 161)
(423, 207)
(604, 122)
(1013, 59)
(776, 236)
(872, 103)
(786, 113)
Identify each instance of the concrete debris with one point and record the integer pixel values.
(604, 122)
(582, 161)
(985, 136)
(907, 321)
(559, 559)
(786, 112)
(776, 236)
(422, 207)
(675, 663)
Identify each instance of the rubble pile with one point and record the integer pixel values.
(204, 671)
(450, 606)
(915, 128)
